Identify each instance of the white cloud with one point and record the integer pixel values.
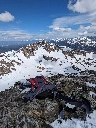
(15, 35)
(81, 24)
(62, 29)
(82, 6)
(71, 20)
(83, 33)
(83, 30)
(90, 29)
(6, 17)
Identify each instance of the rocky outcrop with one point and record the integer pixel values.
(7, 67)
(50, 58)
(40, 113)
(15, 113)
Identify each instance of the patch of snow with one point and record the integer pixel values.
(76, 123)
(24, 81)
(92, 93)
(26, 90)
(70, 105)
(94, 55)
(90, 84)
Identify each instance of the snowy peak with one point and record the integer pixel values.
(81, 43)
(31, 49)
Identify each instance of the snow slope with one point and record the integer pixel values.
(24, 68)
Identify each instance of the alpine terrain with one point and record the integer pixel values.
(72, 70)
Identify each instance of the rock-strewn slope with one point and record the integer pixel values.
(9, 61)
(40, 113)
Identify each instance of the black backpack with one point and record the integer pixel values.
(39, 88)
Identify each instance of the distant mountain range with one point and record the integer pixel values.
(6, 46)
(81, 43)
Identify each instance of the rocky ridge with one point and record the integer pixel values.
(7, 65)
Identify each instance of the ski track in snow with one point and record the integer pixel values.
(28, 68)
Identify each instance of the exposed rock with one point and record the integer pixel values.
(15, 113)
(50, 58)
(40, 113)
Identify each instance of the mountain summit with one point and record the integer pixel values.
(42, 58)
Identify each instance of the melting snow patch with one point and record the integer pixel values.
(76, 123)
(26, 90)
(70, 105)
(92, 93)
(90, 84)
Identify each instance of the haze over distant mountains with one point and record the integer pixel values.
(81, 43)
(12, 45)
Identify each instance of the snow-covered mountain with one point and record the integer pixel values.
(82, 43)
(47, 59)
(89, 41)
(42, 58)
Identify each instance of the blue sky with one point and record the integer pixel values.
(36, 19)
